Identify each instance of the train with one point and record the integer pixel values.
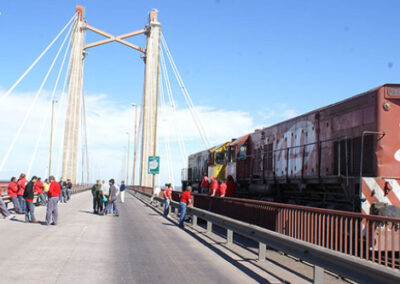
(344, 156)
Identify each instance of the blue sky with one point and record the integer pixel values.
(266, 60)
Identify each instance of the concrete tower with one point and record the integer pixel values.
(72, 120)
(152, 60)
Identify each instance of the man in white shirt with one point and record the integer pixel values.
(105, 188)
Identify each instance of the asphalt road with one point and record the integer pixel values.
(140, 246)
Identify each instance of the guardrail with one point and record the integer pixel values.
(351, 267)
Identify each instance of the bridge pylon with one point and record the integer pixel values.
(75, 85)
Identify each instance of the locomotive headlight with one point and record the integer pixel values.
(386, 106)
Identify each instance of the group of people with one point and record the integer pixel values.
(105, 197)
(50, 193)
(185, 201)
(216, 187)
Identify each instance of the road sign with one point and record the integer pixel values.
(153, 165)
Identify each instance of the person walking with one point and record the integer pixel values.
(96, 193)
(112, 197)
(12, 191)
(167, 197)
(204, 184)
(122, 191)
(63, 187)
(3, 209)
(69, 189)
(21, 183)
(39, 190)
(52, 206)
(185, 201)
(28, 196)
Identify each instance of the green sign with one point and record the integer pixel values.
(153, 165)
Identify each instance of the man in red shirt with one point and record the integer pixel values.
(12, 192)
(52, 206)
(167, 197)
(204, 184)
(21, 183)
(39, 190)
(222, 189)
(186, 200)
(213, 186)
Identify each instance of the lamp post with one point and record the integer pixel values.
(127, 158)
(135, 143)
(53, 102)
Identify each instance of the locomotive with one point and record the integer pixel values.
(343, 156)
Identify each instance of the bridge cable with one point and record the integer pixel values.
(172, 104)
(9, 91)
(167, 144)
(28, 113)
(50, 104)
(186, 95)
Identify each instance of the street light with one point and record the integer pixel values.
(127, 158)
(53, 102)
(135, 143)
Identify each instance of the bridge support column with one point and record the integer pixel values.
(149, 137)
(73, 117)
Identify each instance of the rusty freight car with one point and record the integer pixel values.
(343, 156)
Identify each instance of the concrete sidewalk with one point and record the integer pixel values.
(140, 246)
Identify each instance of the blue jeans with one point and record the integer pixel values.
(63, 196)
(166, 206)
(182, 206)
(21, 201)
(29, 210)
(3, 208)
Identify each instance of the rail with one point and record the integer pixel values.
(354, 268)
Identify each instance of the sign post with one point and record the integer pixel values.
(153, 167)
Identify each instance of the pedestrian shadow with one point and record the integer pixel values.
(168, 224)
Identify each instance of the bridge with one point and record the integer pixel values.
(228, 240)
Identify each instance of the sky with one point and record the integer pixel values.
(246, 65)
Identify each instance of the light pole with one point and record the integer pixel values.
(53, 102)
(134, 142)
(127, 158)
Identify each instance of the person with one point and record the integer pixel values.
(52, 206)
(12, 191)
(230, 187)
(204, 184)
(185, 201)
(21, 183)
(39, 190)
(69, 189)
(122, 191)
(105, 187)
(222, 189)
(96, 192)
(63, 187)
(167, 197)
(112, 197)
(46, 186)
(28, 196)
(4, 210)
(214, 186)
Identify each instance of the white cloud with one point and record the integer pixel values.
(107, 124)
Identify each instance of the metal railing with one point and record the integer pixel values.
(369, 237)
(354, 268)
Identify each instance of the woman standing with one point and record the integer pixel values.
(12, 192)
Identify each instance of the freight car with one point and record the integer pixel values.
(343, 156)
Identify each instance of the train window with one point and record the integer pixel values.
(231, 154)
(394, 92)
(220, 158)
(242, 152)
(211, 159)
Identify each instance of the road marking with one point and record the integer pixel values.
(82, 232)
